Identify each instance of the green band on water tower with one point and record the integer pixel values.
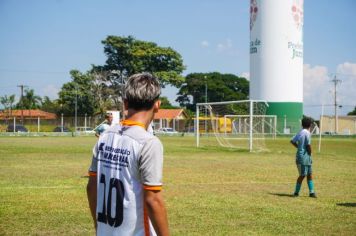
(292, 112)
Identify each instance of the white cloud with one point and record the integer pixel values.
(204, 44)
(346, 72)
(245, 75)
(318, 88)
(316, 85)
(347, 68)
(51, 91)
(225, 46)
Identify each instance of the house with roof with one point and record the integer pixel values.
(170, 118)
(27, 114)
(31, 117)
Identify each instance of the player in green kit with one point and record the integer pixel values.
(302, 141)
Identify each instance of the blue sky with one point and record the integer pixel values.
(42, 40)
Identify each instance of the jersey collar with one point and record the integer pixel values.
(132, 123)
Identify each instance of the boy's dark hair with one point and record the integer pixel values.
(141, 91)
(307, 122)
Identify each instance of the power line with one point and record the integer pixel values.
(33, 71)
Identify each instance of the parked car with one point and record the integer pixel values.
(18, 128)
(329, 133)
(86, 130)
(168, 131)
(59, 129)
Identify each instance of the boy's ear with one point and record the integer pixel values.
(156, 106)
(126, 104)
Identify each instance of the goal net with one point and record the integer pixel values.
(234, 124)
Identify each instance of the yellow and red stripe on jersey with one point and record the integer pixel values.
(152, 188)
(92, 173)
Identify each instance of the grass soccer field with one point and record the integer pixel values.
(208, 191)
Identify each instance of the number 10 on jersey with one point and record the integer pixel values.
(112, 201)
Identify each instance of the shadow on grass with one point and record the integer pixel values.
(347, 204)
(282, 194)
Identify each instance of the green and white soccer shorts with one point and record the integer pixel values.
(304, 170)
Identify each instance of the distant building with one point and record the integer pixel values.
(27, 114)
(346, 125)
(170, 118)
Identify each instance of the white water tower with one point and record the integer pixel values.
(276, 58)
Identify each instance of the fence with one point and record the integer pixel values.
(36, 124)
(346, 124)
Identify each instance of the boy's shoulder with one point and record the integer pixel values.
(305, 132)
(301, 134)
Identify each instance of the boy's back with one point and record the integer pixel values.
(302, 139)
(133, 157)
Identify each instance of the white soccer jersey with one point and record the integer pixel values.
(127, 159)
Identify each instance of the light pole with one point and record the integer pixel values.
(335, 81)
(62, 123)
(206, 101)
(115, 72)
(75, 108)
(21, 100)
(85, 122)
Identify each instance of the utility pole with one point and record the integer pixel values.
(335, 81)
(21, 100)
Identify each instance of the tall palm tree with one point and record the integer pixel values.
(30, 100)
(7, 102)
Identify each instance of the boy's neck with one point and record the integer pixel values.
(145, 116)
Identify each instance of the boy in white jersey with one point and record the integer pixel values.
(125, 177)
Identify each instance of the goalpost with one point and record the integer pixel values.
(268, 123)
(234, 124)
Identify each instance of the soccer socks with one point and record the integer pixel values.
(299, 185)
(311, 186)
(297, 188)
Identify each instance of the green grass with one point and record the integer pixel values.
(208, 191)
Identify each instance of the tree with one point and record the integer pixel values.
(106, 97)
(30, 100)
(80, 90)
(127, 56)
(50, 105)
(352, 113)
(8, 102)
(220, 87)
(165, 104)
